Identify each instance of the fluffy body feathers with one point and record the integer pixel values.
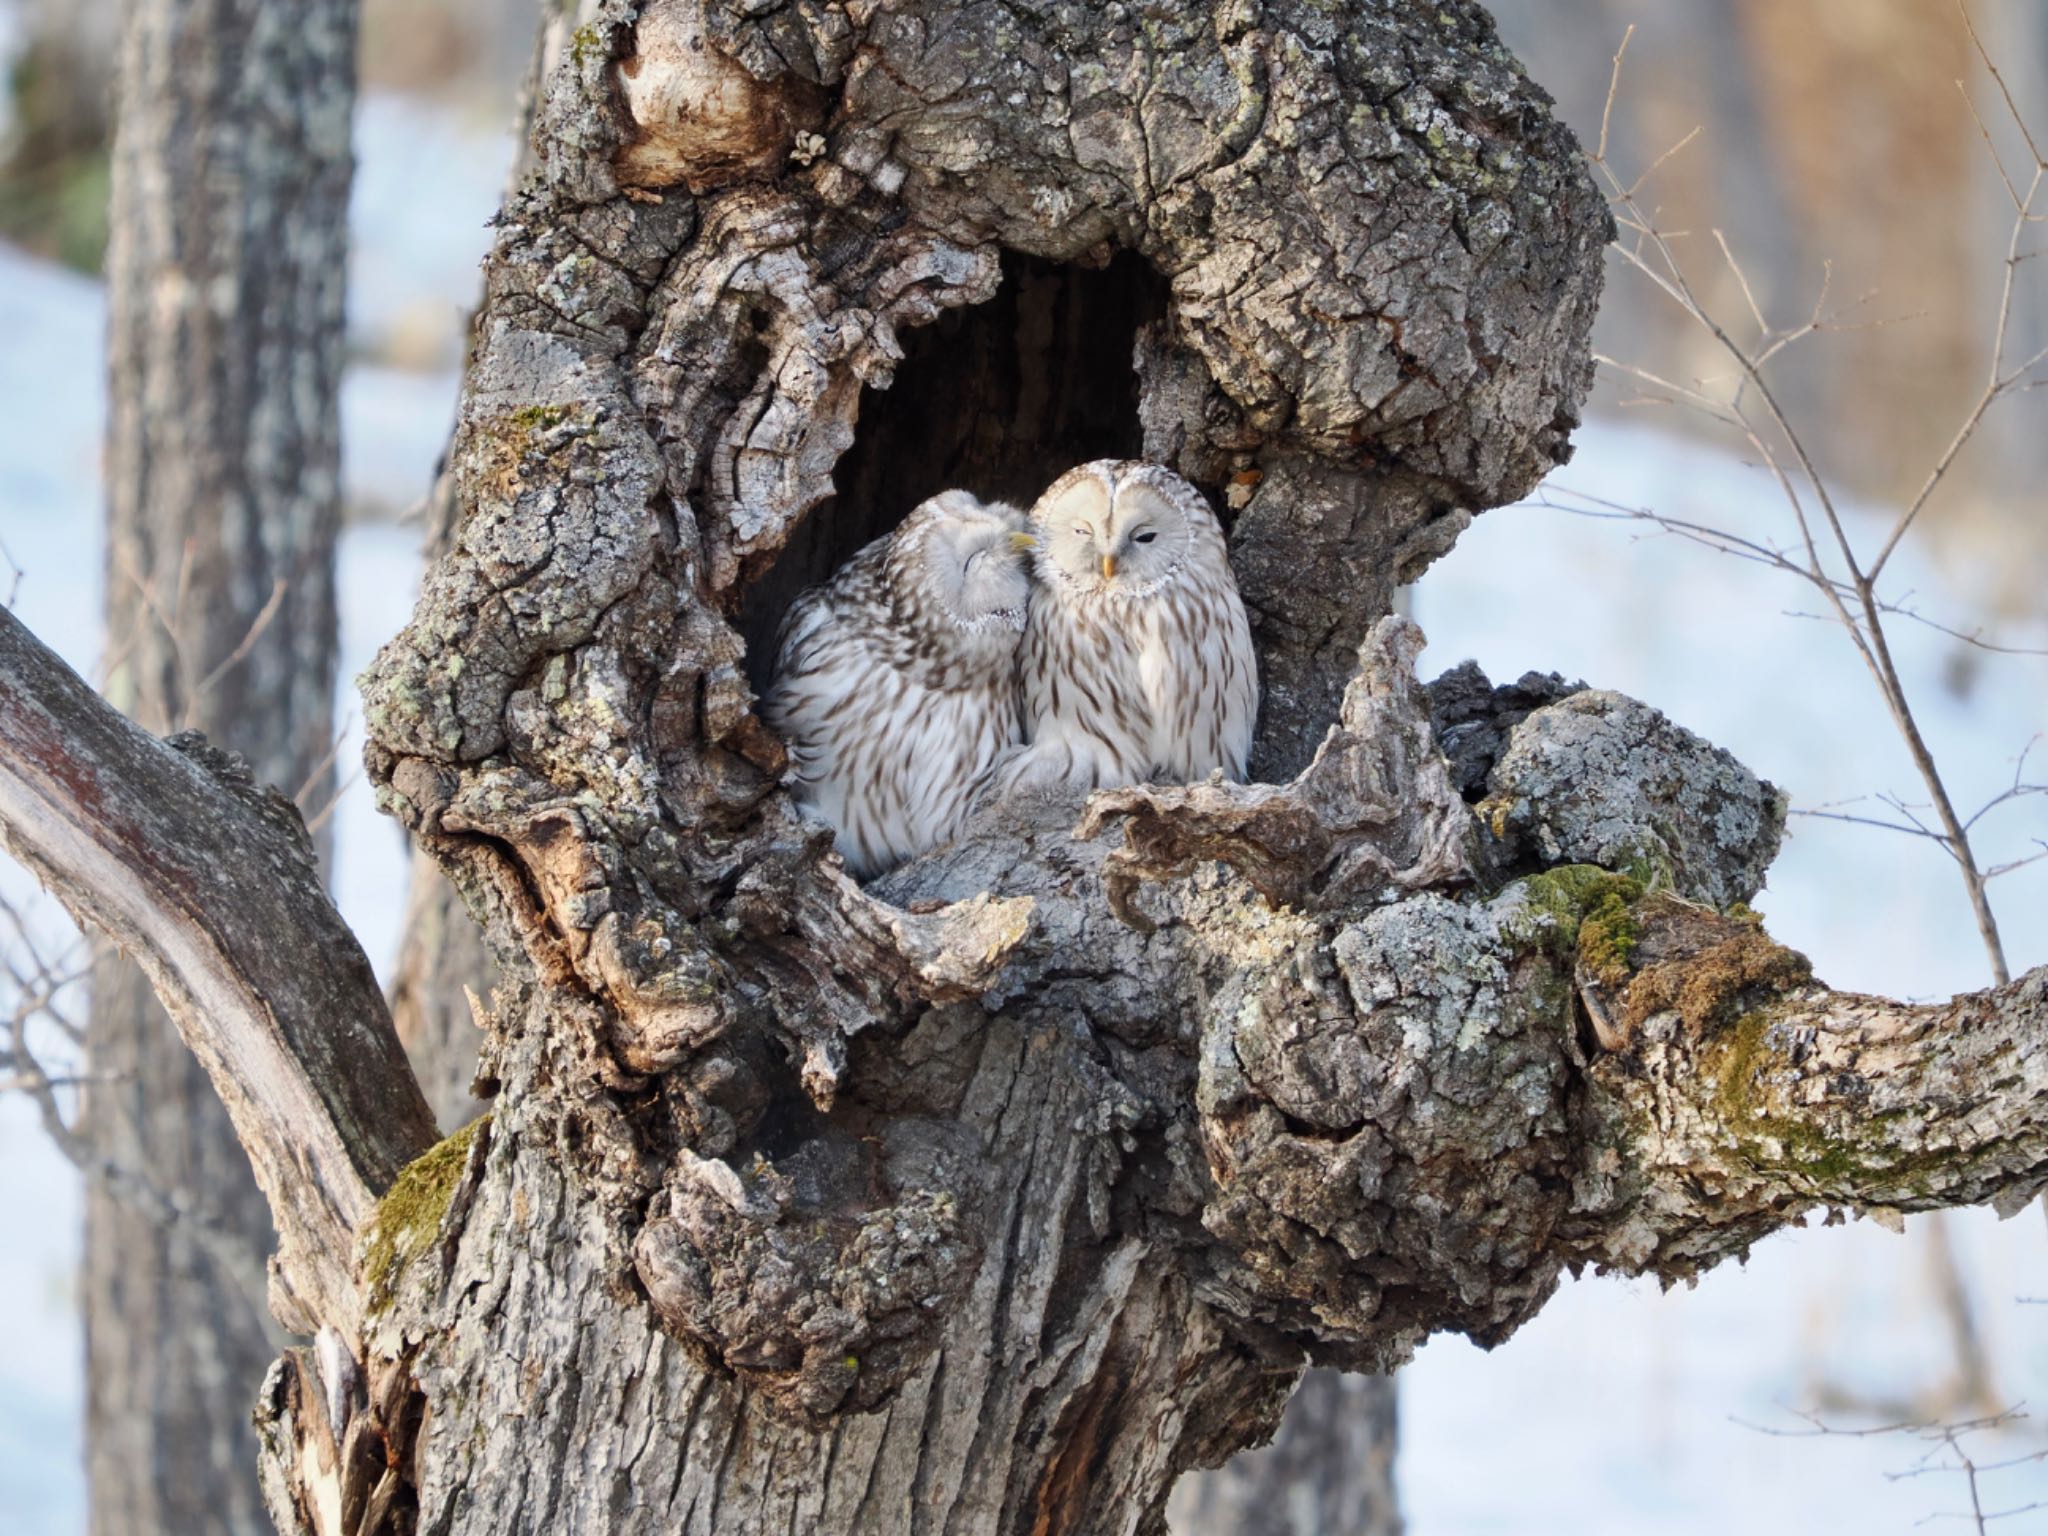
(1138, 660)
(896, 681)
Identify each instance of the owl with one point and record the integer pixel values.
(1138, 660)
(896, 682)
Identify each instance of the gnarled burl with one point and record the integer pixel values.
(993, 1196)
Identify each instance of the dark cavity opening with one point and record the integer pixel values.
(998, 399)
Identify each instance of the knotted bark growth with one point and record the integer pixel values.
(992, 1196)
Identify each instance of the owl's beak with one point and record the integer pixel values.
(1109, 567)
(1023, 543)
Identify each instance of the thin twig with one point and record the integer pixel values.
(320, 819)
(15, 573)
(1943, 1441)
(319, 769)
(1853, 599)
(240, 653)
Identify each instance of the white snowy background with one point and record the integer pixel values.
(1619, 1409)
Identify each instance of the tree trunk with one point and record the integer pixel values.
(225, 281)
(993, 1196)
(443, 960)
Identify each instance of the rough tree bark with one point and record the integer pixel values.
(992, 1197)
(443, 960)
(225, 275)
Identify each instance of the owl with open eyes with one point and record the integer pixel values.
(1138, 661)
(896, 682)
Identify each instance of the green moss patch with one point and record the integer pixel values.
(1608, 936)
(587, 44)
(1855, 1150)
(1583, 912)
(412, 1209)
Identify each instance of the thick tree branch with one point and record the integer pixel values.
(1752, 1092)
(1468, 1098)
(211, 884)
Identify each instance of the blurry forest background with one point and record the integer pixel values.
(1833, 139)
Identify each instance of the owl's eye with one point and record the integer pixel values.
(1081, 531)
(1144, 538)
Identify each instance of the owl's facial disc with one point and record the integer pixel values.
(980, 570)
(1125, 542)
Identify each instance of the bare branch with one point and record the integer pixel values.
(319, 771)
(1763, 326)
(1853, 599)
(1613, 87)
(1998, 871)
(211, 884)
(1991, 68)
(1944, 1441)
(321, 817)
(1868, 821)
(14, 575)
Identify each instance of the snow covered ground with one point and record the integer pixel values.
(1615, 1411)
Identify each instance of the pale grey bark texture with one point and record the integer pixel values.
(225, 280)
(994, 1196)
(443, 960)
(445, 972)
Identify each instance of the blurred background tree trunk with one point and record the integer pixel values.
(1834, 148)
(226, 265)
(1328, 1472)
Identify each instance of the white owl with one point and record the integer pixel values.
(896, 682)
(1138, 660)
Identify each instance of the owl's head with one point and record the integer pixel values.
(1116, 528)
(964, 560)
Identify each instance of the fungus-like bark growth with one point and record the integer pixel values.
(992, 1196)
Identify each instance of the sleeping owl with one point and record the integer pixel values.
(1138, 660)
(896, 682)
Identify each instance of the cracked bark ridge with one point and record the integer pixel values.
(1472, 719)
(816, 1308)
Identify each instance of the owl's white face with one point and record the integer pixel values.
(972, 562)
(1115, 539)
